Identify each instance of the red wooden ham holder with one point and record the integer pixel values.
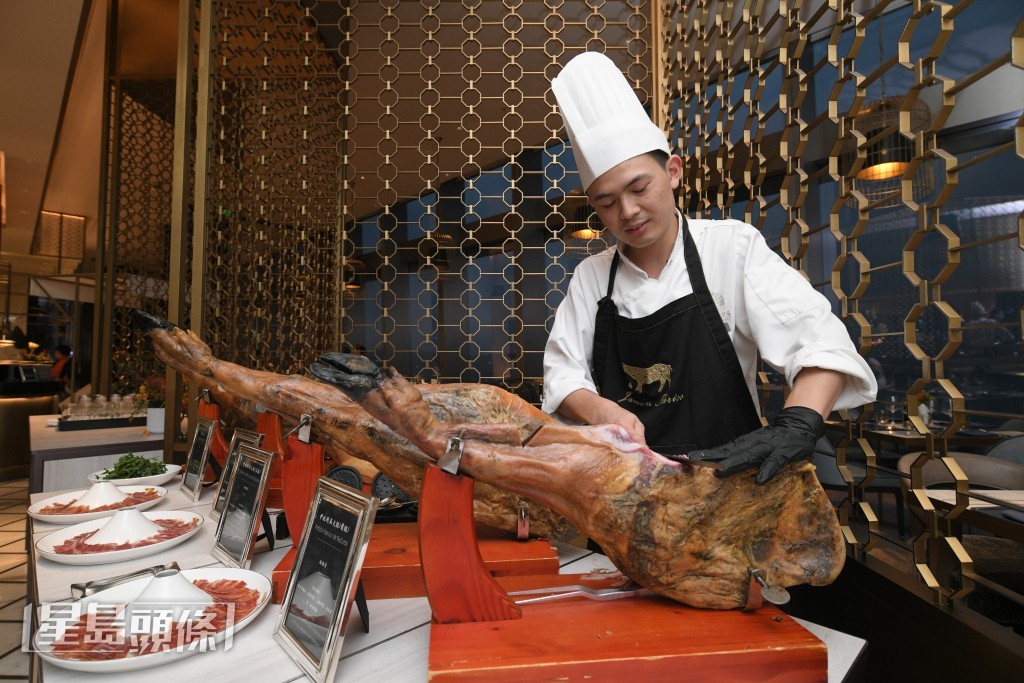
(218, 444)
(392, 567)
(479, 633)
(459, 586)
(301, 467)
(269, 425)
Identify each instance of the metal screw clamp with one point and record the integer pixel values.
(449, 462)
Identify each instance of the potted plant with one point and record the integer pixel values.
(152, 396)
(924, 406)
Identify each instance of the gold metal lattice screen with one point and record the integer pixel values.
(844, 131)
(139, 224)
(387, 176)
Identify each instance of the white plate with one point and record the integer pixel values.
(155, 480)
(126, 592)
(33, 510)
(46, 544)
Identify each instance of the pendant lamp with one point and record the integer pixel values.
(583, 234)
(888, 152)
(351, 273)
(439, 255)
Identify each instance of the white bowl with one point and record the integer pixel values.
(152, 480)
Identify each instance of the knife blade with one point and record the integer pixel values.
(683, 460)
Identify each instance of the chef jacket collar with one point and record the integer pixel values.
(677, 248)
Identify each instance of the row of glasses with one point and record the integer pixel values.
(102, 407)
(891, 411)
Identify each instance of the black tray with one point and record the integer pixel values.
(65, 425)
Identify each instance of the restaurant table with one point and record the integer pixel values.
(395, 650)
(987, 514)
(63, 459)
(905, 438)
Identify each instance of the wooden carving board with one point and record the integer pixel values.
(634, 639)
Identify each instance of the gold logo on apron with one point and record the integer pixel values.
(660, 373)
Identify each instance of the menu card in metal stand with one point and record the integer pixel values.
(243, 509)
(323, 583)
(198, 452)
(240, 437)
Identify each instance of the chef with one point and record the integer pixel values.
(661, 333)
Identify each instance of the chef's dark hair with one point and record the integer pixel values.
(659, 155)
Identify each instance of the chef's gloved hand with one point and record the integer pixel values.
(791, 437)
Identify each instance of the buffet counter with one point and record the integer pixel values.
(395, 649)
(62, 460)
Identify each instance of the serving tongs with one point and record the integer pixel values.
(84, 590)
(598, 594)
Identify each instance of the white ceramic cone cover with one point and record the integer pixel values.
(168, 595)
(100, 494)
(127, 525)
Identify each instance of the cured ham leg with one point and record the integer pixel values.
(345, 429)
(671, 526)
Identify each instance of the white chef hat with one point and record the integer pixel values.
(605, 121)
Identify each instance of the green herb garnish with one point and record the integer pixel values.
(132, 466)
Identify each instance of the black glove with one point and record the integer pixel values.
(791, 437)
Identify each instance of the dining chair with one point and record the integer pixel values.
(1011, 449)
(998, 559)
(982, 471)
(1015, 424)
(826, 467)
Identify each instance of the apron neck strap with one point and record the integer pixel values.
(611, 275)
(693, 263)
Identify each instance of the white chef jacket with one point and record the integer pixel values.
(766, 305)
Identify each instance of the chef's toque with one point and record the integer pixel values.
(603, 116)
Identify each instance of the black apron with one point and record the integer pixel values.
(675, 369)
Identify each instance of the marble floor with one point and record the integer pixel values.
(14, 664)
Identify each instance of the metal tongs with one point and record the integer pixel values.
(84, 590)
(598, 594)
